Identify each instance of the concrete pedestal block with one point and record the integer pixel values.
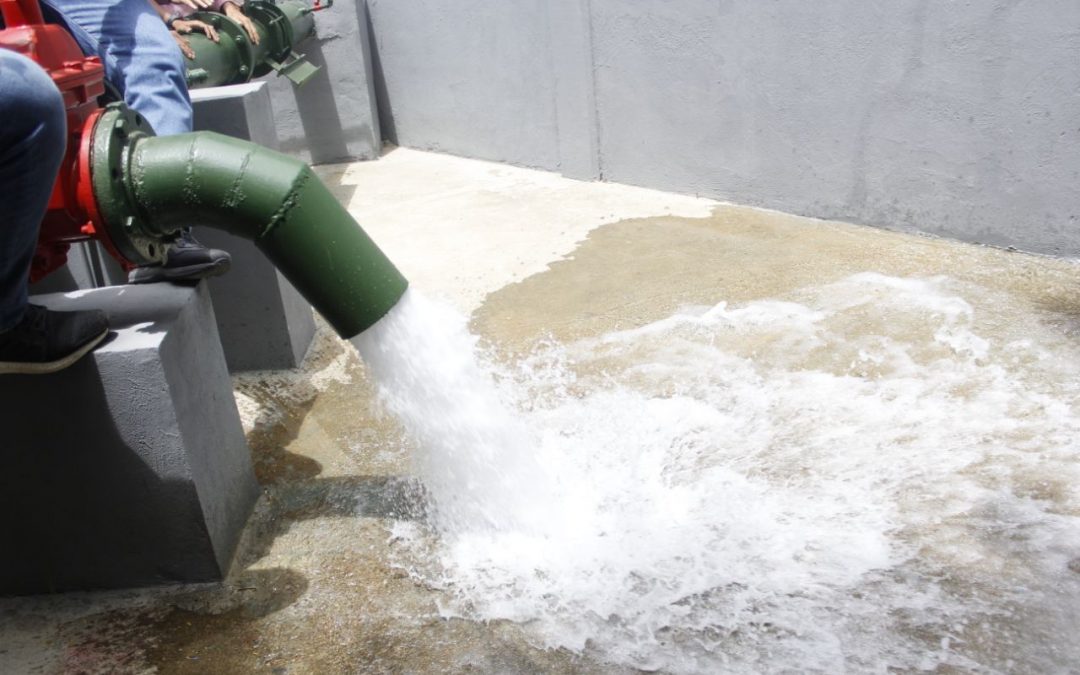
(263, 321)
(130, 468)
(88, 266)
(238, 110)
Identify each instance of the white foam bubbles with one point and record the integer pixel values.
(853, 478)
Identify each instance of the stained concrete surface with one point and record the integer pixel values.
(316, 587)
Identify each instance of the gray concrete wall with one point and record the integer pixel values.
(470, 77)
(333, 117)
(958, 119)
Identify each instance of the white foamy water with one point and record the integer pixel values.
(867, 475)
(474, 451)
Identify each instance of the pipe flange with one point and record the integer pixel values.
(279, 32)
(115, 135)
(233, 33)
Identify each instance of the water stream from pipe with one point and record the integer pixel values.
(864, 475)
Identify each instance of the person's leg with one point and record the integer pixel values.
(144, 63)
(31, 147)
(33, 138)
(141, 58)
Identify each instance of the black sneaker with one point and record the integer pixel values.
(46, 341)
(187, 260)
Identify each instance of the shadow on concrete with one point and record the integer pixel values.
(97, 269)
(383, 105)
(318, 112)
(275, 428)
(58, 281)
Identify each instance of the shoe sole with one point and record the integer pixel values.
(189, 273)
(15, 368)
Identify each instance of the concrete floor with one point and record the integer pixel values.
(528, 255)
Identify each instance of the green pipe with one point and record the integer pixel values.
(230, 60)
(235, 59)
(281, 26)
(152, 186)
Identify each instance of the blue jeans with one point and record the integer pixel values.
(141, 59)
(32, 142)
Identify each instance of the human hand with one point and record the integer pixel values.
(185, 46)
(234, 12)
(197, 4)
(185, 26)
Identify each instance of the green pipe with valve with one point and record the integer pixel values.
(235, 58)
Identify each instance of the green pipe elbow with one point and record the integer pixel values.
(277, 202)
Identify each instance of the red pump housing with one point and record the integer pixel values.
(72, 214)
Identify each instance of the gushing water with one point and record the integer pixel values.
(866, 475)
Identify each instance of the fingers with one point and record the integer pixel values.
(210, 31)
(249, 26)
(185, 27)
(237, 15)
(185, 46)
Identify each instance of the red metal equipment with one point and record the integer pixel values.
(134, 192)
(72, 214)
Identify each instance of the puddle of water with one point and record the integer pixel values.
(858, 475)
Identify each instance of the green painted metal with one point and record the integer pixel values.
(115, 134)
(230, 60)
(235, 59)
(152, 186)
(286, 24)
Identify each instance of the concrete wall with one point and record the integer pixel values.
(959, 119)
(332, 117)
(471, 77)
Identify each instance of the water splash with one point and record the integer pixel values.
(869, 474)
(476, 457)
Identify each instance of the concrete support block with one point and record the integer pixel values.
(263, 321)
(88, 266)
(239, 110)
(130, 468)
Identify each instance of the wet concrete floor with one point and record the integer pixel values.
(315, 587)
